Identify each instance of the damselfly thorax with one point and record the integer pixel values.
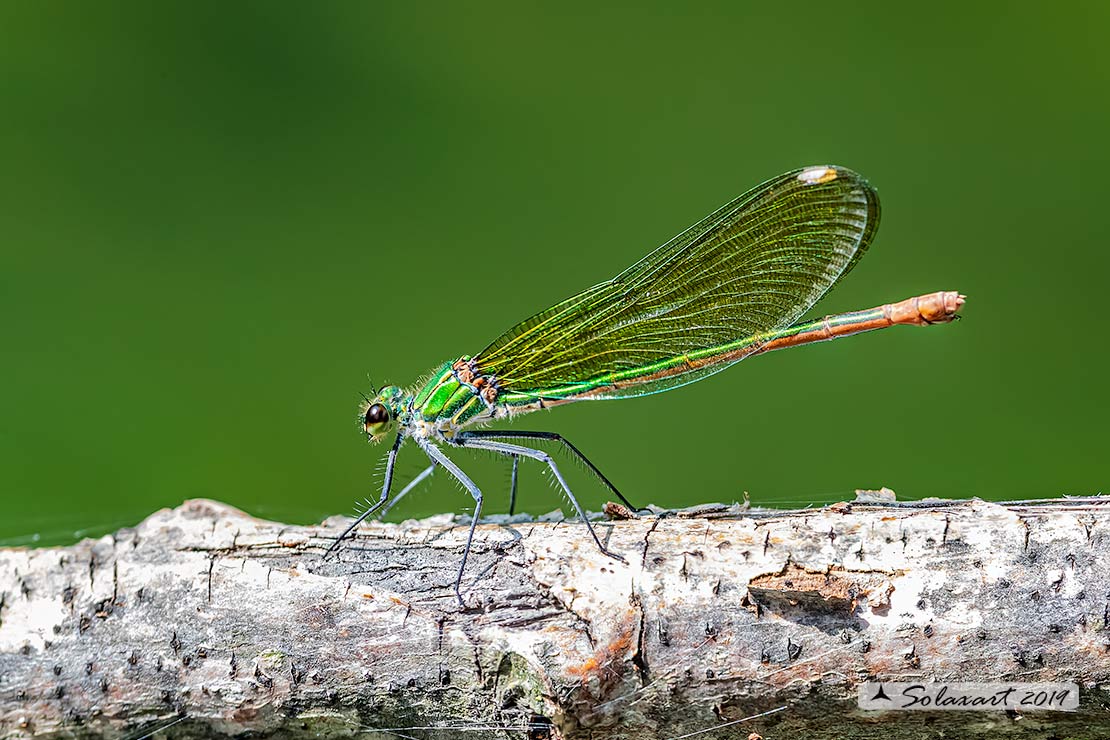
(458, 395)
(732, 286)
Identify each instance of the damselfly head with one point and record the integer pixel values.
(378, 415)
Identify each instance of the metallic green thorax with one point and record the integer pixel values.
(444, 398)
(446, 403)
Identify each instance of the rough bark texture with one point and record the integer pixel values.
(216, 623)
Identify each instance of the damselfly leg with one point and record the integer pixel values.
(391, 460)
(512, 487)
(407, 489)
(477, 442)
(439, 458)
(426, 472)
(554, 437)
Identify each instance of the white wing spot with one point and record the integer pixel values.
(817, 175)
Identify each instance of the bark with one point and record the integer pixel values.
(207, 622)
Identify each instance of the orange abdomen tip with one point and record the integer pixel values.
(934, 308)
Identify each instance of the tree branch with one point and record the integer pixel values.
(223, 624)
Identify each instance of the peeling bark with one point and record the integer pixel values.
(209, 623)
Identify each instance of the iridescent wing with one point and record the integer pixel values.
(755, 265)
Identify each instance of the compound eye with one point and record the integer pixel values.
(376, 414)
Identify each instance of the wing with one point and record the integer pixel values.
(755, 265)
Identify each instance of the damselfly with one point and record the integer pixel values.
(727, 288)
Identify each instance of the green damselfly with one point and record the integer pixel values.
(729, 287)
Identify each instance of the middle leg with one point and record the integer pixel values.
(554, 437)
(504, 448)
(438, 458)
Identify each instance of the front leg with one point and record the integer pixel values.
(412, 485)
(390, 460)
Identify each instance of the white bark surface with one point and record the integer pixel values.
(223, 624)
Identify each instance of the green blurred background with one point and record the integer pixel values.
(219, 218)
